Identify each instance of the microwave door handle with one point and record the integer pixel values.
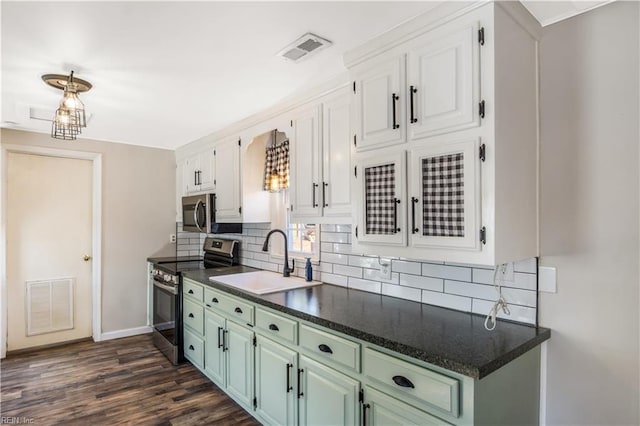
(196, 217)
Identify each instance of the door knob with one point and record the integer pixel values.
(86, 258)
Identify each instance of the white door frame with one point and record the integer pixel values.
(96, 287)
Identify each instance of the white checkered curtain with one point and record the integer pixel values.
(380, 199)
(443, 196)
(276, 167)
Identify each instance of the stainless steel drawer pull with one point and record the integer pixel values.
(191, 348)
(403, 382)
(237, 310)
(273, 327)
(324, 348)
(191, 316)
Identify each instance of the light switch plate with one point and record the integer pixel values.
(385, 269)
(506, 274)
(547, 279)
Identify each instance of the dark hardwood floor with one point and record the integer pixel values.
(123, 381)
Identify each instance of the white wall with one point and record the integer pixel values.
(589, 215)
(138, 214)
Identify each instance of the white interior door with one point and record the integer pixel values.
(49, 231)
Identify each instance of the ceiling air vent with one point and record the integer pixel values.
(304, 47)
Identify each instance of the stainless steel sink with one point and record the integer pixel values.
(263, 282)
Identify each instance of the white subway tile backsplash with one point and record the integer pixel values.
(445, 300)
(464, 287)
(425, 283)
(374, 275)
(406, 267)
(364, 261)
(365, 285)
(447, 272)
(334, 279)
(350, 271)
(402, 292)
(517, 313)
(341, 259)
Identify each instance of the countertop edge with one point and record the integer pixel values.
(475, 372)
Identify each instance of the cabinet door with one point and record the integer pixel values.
(304, 181)
(384, 410)
(207, 171)
(214, 356)
(239, 363)
(327, 397)
(381, 204)
(336, 153)
(190, 174)
(444, 81)
(276, 368)
(380, 104)
(227, 167)
(444, 188)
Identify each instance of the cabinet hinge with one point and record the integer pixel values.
(482, 152)
(481, 36)
(239, 142)
(255, 403)
(354, 140)
(355, 171)
(481, 109)
(361, 396)
(483, 235)
(354, 86)
(356, 231)
(255, 341)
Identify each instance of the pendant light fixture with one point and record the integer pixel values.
(70, 116)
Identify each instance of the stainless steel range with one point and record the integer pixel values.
(167, 291)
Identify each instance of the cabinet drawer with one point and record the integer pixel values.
(192, 290)
(403, 379)
(193, 316)
(235, 309)
(276, 325)
(194, 348)
(330, 347)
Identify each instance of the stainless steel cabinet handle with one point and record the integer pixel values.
(324, 194)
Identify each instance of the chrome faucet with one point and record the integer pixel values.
(265, 247)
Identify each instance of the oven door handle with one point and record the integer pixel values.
(171, 289)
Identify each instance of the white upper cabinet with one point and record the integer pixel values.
(379, 106)
(443, 80)
(305, 162)
(320, 156)
(199, 172)
(470, 110)
(227, 166)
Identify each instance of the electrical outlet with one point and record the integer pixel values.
(384, 269)
(172, 238)
(505, 272)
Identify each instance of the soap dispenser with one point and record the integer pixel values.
(308, 272)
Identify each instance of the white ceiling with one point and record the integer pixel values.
(167, 73)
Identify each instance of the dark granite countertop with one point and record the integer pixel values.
(450, 339)
(171, 259)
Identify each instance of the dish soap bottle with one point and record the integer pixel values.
(308, 272)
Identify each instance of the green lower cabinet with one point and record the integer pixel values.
(214, 363)
(326, 397)
(276, 368)
(381, 409)
(239, 362)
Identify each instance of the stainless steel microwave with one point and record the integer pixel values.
(199, 215)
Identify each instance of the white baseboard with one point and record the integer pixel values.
(125, 333)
